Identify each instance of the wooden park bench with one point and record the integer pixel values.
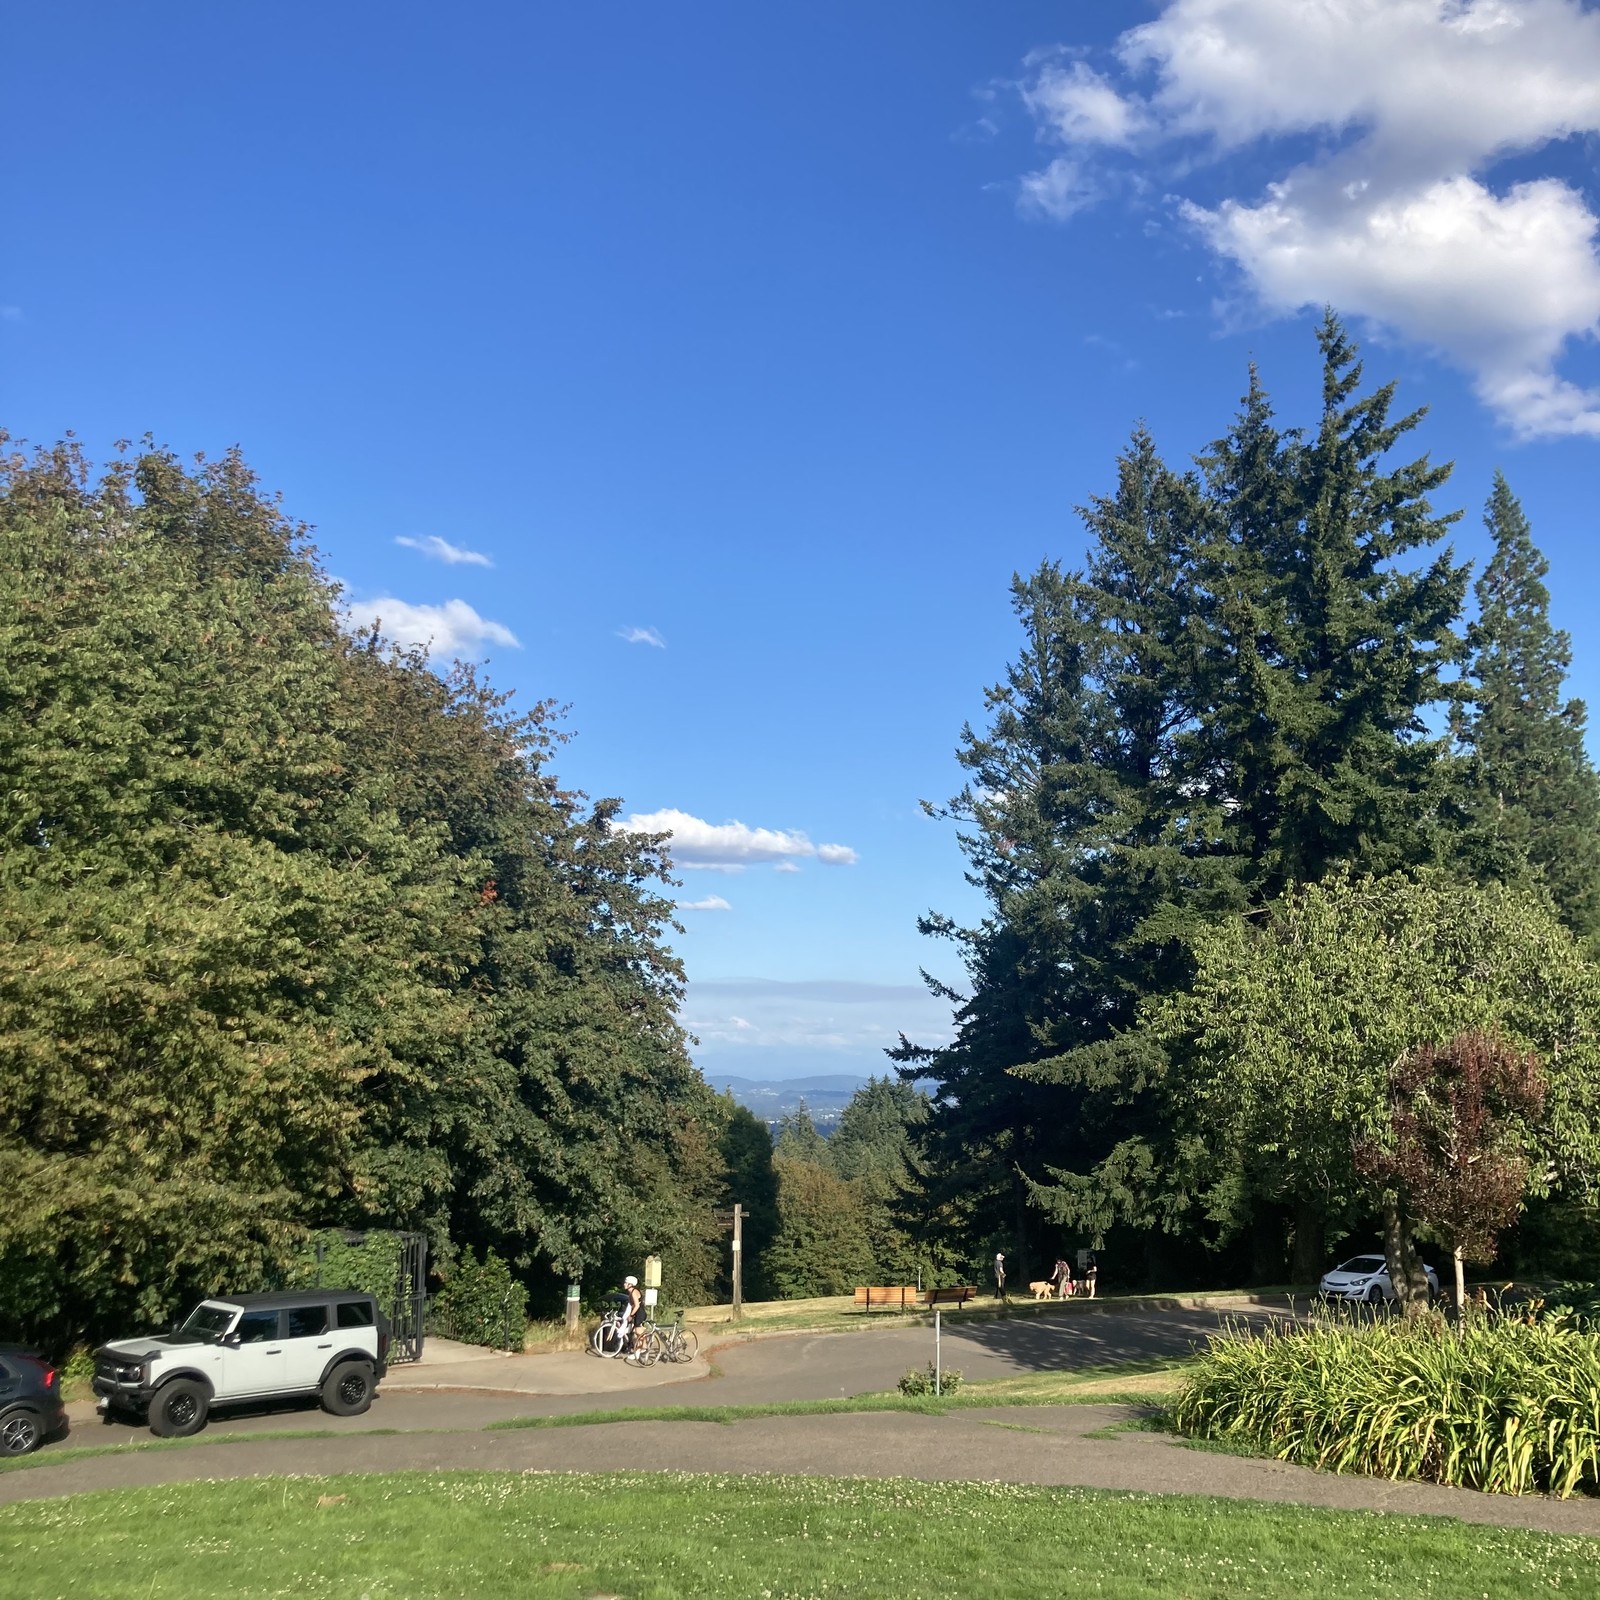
(898, 1297)
(955, 1294)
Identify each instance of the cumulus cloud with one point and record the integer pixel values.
(712, 902)
(1401, 215)
(732, 846)
(437, 549)
(453, 629)
(642, 636)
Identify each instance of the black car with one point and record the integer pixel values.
(30, 1401)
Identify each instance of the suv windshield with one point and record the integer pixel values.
(207, 1323)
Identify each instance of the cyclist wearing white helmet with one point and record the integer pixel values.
(629, 1331)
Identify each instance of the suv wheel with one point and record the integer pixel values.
(179, 1409)
(347, 1390)
(20, 1434)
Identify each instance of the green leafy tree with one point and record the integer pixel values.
(1292, 1029)
(299, 932)
(822, 1246)
(875, 1148)
(751, 1182)
(1535, 800)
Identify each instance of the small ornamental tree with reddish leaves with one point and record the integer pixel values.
(1461, 1123)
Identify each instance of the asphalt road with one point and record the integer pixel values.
(757, 1372)
(1043, 1445)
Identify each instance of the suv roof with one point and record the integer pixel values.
(280, 1298)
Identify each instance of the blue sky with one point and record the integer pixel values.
(751, 349)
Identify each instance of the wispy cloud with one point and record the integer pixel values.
(833, 1017)
(451, 629)
(642, 636)
(1405, 214)
(437, 549)
(732, 846)
(712, 902)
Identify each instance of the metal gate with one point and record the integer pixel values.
(403, 1305)
(410, 1294)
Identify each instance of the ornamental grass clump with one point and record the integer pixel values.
(1504, 1405)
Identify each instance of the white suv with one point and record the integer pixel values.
(249, 1348)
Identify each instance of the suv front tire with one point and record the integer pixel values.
(347, 1390)
(179, 1409)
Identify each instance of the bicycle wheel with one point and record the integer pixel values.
(685, 1345)
(650, 1351)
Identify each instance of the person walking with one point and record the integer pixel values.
(1090, 1273)
(1061, 1277)
(1000, 1275)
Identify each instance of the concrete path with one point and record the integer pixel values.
(1042, 1445)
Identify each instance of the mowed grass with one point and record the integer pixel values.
(652, 1536)
(1140, 1384)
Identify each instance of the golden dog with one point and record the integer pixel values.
(1043, 1290)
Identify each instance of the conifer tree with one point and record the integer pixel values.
(1534, 798)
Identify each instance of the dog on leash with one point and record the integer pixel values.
(1043, 1289)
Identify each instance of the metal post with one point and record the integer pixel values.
(574, 1308)
(738, 1263)
(938, 1354)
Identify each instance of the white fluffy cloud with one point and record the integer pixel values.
(453, 629)
(438, 549)
(642, 636)
(732, 846)
(1398, 216)
(711, 902)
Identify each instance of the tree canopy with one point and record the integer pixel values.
(299, 932)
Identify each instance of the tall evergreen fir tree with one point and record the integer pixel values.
(1535, 799)
(1322, 653)
(1233, 697)
(1081, 827)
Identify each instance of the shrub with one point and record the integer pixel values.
(1505, 1404)
(336, 1259)
(920, 1380)
(481, 1304)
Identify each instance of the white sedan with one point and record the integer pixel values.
(1366, 1278)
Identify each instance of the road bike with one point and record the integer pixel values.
(679, 1343)
(609, 1339)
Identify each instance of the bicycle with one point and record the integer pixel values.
(679, 1343)
(647, 1346)
(608, 1339)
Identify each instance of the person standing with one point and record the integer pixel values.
(1000, 1275)
(1090, 1273)
(1061, 1277)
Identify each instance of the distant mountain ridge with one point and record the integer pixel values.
(825, 1095)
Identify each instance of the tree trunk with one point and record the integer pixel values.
(1309, 1224)
(1405, 1266)
(1268, 1257)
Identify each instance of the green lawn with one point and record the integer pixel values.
(656, 1535)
